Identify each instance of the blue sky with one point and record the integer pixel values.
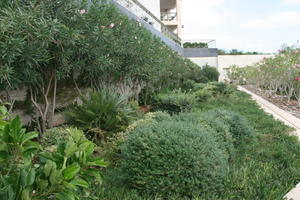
(248, 25)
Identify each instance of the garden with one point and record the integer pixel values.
(136, 120)
(276, 79)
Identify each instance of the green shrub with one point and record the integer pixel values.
(223, 88)
(210, 74)
(110, 150)
(173, 158)
(215, 127)
(175, 102)
(199, 86)
(53, 136)
(28, 172)
(102, 111)
(203, 95)
(161, 116)
(237, 124)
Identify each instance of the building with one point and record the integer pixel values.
(168, 11)
(170, 15)
(163, 19)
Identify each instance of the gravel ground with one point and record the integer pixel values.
(291, 107)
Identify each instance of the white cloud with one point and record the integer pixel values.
(284, 19)
(291, 2)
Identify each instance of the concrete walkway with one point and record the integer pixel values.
(285, 117)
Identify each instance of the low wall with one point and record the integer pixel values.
(201, 61)
(225, 61)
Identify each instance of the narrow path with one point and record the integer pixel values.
(285, 117)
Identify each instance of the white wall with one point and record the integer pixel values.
(153, 6)
(225, 61)
(211, 61)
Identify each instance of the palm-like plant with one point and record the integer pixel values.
(102, 110)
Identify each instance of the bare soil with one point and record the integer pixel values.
(291, 107)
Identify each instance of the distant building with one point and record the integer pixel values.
(168, 11)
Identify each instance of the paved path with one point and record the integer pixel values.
(285, 117)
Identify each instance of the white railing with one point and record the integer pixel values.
(142, 12)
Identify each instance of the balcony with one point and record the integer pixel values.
(168, 16)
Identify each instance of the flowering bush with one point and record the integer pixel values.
(278, 74)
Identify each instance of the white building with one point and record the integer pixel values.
(167, 12)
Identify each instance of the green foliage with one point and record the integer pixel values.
(203, 95)
(17, 173)
(237, 125)
(222, 88)
(264, 169)
(48, 45)
(209, 74)
(173, 158)
(102, 110)
(70, 169)
(64, 172)
(195, 45)
(175, 101)
(216, 127)
(52, 137)
(274, 75)
(110, 149)
(204, 92)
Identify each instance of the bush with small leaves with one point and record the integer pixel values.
(53, 136)
(174, 102)
(238, 125)
(215, 127)
(170, 158)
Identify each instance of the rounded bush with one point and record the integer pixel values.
(215, 127)
(173, 158)
(238, 125)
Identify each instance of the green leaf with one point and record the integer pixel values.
(71, 171)
(88, 147)
(42, 184)
(31, 177)
(65, 196)
(23, 177)
(16, 123)
(3, 110)
(80, 182)
(75, 134)
(26, 194)
(71, 148)
(29, 136)
(99, 162)
(56, 177)
(48, 167)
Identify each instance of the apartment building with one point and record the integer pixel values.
(163, 19)
(168, 11)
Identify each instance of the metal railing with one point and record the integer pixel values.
(168, 16)
(142, 12)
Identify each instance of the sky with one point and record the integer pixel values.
(248, 25)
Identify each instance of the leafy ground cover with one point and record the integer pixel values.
(266, 168)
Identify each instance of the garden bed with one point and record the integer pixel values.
(291, 107)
